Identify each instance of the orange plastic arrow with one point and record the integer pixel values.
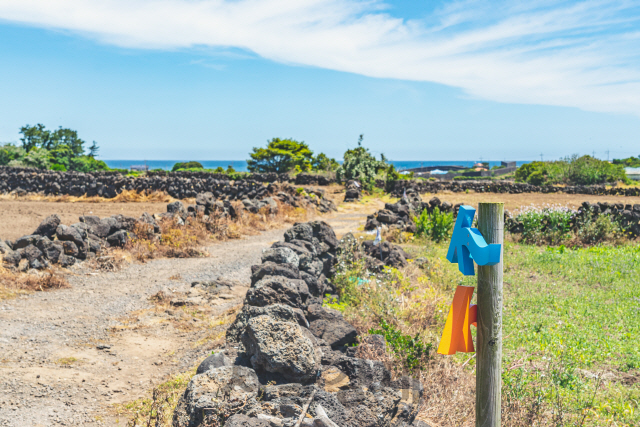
(457, 331)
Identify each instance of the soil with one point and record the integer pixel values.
(22, 217)
(70, 356)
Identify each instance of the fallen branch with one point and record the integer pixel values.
(305, 408)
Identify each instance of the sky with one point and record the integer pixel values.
(422, 80)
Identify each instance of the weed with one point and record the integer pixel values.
(410, 350)
(157, 409)
(436, 225)
(66, 361)
(13, 283)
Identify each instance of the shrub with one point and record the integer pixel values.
(601, 229)
(435, 226)
(361, 165)
(186, 165)
(37, 158)
(410, 350)
(573, 170)
(10, 152)
(549, 225)
(629, 162)
(58, 167)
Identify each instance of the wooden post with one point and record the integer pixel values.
(489, 337)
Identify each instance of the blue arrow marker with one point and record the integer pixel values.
(468, 245)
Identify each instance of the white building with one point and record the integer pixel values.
(633, 173)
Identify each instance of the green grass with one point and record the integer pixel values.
(571, 328)
(571, 316)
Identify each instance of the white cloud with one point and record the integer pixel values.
(580, 54)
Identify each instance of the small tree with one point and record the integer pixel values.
(361, 165)
(38, 158)
(281, 155)
(186, 165)
(324, 163)
(62, 148)
(10, 152)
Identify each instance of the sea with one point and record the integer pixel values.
(241, 165)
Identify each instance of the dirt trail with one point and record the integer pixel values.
(67, 356)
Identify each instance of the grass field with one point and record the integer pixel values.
(571, 332)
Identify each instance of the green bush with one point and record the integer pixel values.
(37, 158)
(573, 170)
(601, 229)
(550, 225)
(629, 162)
(186, 165)
(57, 167)
(410, 350)
(361, 165)
(10, 152)
(437, 226)
(324, 163)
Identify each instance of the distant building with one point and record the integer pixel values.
(633, 173)
(140, 168)
(508, 164)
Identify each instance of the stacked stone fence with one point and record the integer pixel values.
(399, 187)
(289, 361)
(179, 185)
(182, 185)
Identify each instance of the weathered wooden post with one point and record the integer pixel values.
(489, 329)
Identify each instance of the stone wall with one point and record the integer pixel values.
(110, 184)
(289, 361)
(505, 187)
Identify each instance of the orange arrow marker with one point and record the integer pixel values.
(457, 331)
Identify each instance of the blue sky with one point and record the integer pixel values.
(209, 79)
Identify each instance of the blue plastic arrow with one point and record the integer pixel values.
(468, 245)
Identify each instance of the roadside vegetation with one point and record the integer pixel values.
(571, 355)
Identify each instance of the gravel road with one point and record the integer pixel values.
(67, 357)
(68, 354)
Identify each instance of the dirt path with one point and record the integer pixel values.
(68, 353)
(67, 356)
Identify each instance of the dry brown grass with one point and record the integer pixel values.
(13, 284)
(189, 240)
(127, 196)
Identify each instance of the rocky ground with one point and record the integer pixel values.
(67, 356)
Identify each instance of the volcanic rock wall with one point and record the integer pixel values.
(177, 184)
(505, 187)
(287, 355)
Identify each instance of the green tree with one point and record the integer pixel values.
(361, 165)
(37, 158)
(93, 150)
(629, 162)
(186, 165)
(9, 152)
(62, 148)
(324, 163)
(281, 155)
(35, 136)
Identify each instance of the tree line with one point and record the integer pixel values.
(59, 149)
